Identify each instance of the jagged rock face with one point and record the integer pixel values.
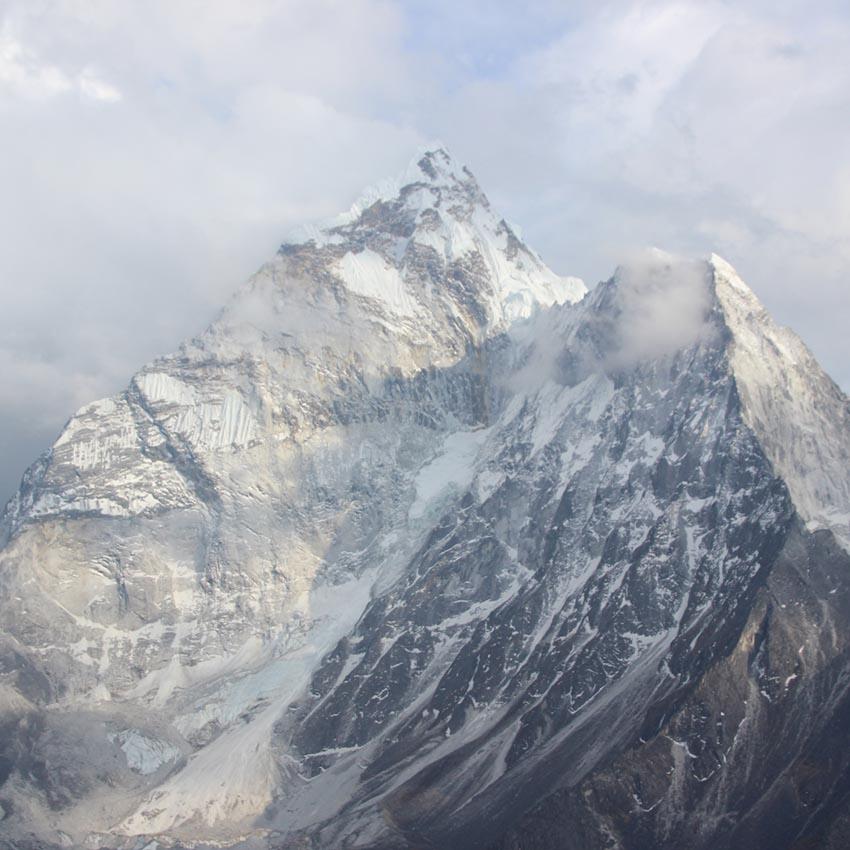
(618, 517)
(752, 754)
(415, 546)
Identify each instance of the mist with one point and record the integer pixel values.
(664, 304)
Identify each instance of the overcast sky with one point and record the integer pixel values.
(153, 154)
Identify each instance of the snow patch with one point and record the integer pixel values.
(235, 776)
(367, 273)
(144, 754)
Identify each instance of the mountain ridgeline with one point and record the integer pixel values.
(421, 545)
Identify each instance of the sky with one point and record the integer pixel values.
(154, 154)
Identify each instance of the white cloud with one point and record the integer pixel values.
(697, 126)
(21, 74)
(664, 302)
(24, 75)
(97, 89)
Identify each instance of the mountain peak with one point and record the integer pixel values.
(437, 165)
(432, 168)
(799, 414)
(408, 242)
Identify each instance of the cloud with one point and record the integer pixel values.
(664, 303)
(697, 126)
(155, 154)
(126, 227)
(24, 75)
(92, 86)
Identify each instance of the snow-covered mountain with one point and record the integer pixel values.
(420, 544)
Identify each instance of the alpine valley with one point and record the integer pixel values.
(421, 545)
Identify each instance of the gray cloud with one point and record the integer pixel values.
(154, 155)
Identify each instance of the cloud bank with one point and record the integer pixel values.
(154, 155)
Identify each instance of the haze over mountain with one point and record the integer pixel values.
(421, 544)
